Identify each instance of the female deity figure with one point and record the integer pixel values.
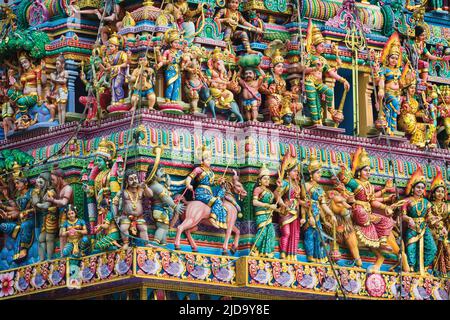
(263, 202)
(116, 63)
(316, 67)
(314, 247)
(422, 133)
(416, 211)
(28, 91)
(230, 19)
(171, 59)
(389, 85)
(179, 10)
(288, 196)
(142, 80)
(373, 230)
(21, 210)
(440, 224)
(58, 81)
(75, 230)
(274, 86)
(205, 191)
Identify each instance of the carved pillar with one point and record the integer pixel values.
(330, 82)
(71, 67)
(366, 121)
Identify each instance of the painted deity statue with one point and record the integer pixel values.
(21, 216)
(180, 11)
(131, 205)
(317, 211)
(74, 229)
(116, 63)
(163, 206)
(439, 223)
(49, 212)
(264, 204)
(316, 67)
(28, 91)
(443, 113)
(373, 230)
(58, 80)
(250, 82)
(416, 211)
(195, 79)
(102, 181)
(219, 81)
(389, 85)
(288, 197)
(61, 198)
(171, 60)
(205, 190)
(142, 84)
(420, 48)
(230, 20)
(274, 86)
(415, 122)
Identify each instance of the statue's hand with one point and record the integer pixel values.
(346, 85)
(302, 222)
(179, 208)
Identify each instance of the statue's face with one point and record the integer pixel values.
(160, 174)
(71, 215)
(249, 75)
(293, 174)
(25, 63)
(421, 37)
(278, 69)
(54, 179)
(439, 193)
(365, 173)
(233, 4)
(412, 90)
(143, 61)
(317, 175)
(41, 183)
(320, 48)
(133, 180)
(393, 60)
(100, 163)
(265, 181)
(112, 48)
(59, 65)
(20, 185)
(419, 189)
(207, 161)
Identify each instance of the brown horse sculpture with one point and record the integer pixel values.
(197, 213)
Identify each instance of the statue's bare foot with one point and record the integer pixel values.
(373, 269)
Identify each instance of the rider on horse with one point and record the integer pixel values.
(205, 191)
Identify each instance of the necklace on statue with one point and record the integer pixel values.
(135, 200)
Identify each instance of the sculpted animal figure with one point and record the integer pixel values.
(198, 213)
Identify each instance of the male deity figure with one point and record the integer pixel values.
(63, 196)
(116, 62)
(132, 215)
(50, 225)
(142, 80)
(58, 80)
(250, 96)
(195, 80)
(230, 19)
(163, 205)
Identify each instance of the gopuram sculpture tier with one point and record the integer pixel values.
(278, 149)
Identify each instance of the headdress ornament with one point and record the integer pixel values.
(392, 47)
(287, 163)
(360, 160)
(275, 51)
(204, 152)
(438, 181)
(106, 149)
(263, 171)
(417, 177)
(314, 164)
(114, 39)
(171, 35)
(313, 36)
(408, 77)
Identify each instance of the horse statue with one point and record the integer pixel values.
(197, 213)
